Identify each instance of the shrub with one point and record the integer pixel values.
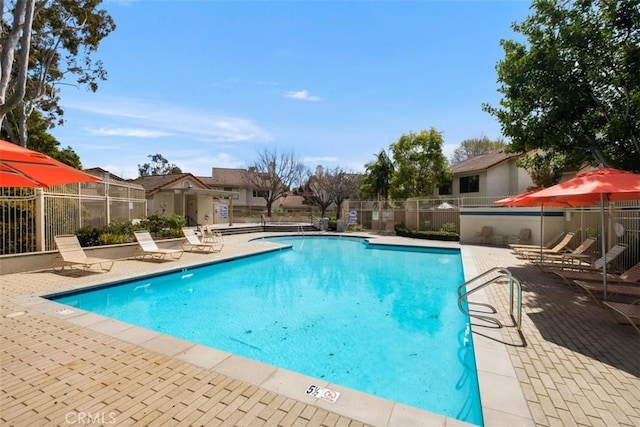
(114, 239)
(449, 227)
(89, 236)
(176, 222)
(430, 235)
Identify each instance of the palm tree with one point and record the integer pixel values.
(377, 181)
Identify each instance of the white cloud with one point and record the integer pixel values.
(303, 95)
(129, 132)
(154, 120)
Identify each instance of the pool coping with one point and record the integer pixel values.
(502, 400)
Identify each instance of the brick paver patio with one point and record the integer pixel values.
(576, 365)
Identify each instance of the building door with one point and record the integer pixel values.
(191, 211)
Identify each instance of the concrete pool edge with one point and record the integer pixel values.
(503, 401)
(351, 404)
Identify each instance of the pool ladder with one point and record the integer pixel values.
(487, 278)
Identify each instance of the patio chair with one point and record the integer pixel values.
(546, 245)
(71, 254)
(559, 248)
(578, 256)
(624, 284)
(595, 288)
(593, 271)
(150, 248)
(484, 235)
(208, 235)
(522, 238)
(631, 312)
(194, 243)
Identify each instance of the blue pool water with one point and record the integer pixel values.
(380, 319)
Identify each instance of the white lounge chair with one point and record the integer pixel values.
(71, 254)
(150, 248)
(194, 243)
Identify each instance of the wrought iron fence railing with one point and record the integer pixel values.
(30, 218)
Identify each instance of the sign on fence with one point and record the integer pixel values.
(352, 218)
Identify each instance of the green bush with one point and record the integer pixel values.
(429, 235)
(449, 227)
(89, 236)
(122, 232)
(176, 222)
(114, 239)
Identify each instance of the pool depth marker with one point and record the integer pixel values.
(322, 393)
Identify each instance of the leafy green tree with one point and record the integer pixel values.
(42, 141)
(474, 147)
(573, 87)
(158, 166)
(420, 164)
(545, 168)
(59, 45)
(377, 178)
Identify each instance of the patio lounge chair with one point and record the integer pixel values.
(71, 254)
(578, 256)
(150, 248)
(623, 284)
(569, 272)
(559, 248)
(595, 288)
(547, 244)
(484, 235)
(208, 235)
(631, 312)
(193, 242)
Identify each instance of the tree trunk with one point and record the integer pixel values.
(22, 21)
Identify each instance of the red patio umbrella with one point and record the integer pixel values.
(598, 185)
(21, 167)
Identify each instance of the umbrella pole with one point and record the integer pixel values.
(604, 248)
(541, 229)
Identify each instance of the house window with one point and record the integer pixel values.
(446, 188)
(228, 189)
(261, 193)
(470, 184)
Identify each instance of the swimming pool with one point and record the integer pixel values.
(375, 318)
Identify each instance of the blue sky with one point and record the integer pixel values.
(211, 83)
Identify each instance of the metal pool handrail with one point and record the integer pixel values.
(500, 272)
